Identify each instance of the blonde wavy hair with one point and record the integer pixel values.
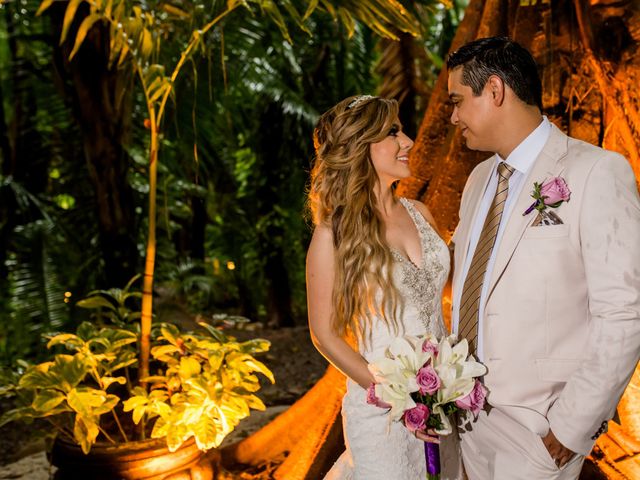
(342, 197)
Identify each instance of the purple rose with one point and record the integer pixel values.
(416, 417)
(475, 400)
(555, 190)
(372, 399)
(428, 380)
(430, 347)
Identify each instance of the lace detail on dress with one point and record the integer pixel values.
(377, 449)
(423, 284)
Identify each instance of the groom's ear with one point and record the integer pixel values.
(496, 88)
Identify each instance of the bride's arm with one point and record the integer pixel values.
(320, 277)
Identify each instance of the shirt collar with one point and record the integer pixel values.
(524, 155)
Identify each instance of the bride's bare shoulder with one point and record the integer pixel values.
(321, 242)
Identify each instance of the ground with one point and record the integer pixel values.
(294, 361)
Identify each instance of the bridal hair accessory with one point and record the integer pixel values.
(358, 100)
(551, 193)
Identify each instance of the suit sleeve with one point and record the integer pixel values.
(610, 245)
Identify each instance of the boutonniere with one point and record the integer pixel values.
(549, 194)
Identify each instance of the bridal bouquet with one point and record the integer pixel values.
(423, 381)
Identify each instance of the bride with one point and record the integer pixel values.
(376, 267)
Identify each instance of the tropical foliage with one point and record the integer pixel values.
(233, 141)
(206, 386)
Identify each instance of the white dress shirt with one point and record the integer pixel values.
(521, 159)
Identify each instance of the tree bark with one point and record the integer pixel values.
(589, 58)
(101, 101)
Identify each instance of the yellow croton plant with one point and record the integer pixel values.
(205, 384)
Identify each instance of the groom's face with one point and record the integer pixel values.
(472, 114)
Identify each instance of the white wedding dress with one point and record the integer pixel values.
(375, 448)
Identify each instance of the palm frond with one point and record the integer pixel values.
(36, 291)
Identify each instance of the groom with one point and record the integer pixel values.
(548, 297)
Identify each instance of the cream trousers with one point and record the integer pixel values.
(499, 448)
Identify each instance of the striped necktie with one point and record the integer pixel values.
(472, 289)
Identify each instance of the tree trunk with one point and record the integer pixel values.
(589, 60)
(272, 246)
(398, 69)
(197, 229)
(101, 100)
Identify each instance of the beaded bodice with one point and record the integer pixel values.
(420, 287)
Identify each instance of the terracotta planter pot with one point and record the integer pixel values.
(143, 460)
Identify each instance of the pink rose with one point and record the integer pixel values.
(428, 380)
(416, 418)
(430, 347)
(372, 399)
(475, 400)
(555, 190)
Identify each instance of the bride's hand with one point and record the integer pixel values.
(430, 436)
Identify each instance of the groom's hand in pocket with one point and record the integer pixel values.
(560, 454)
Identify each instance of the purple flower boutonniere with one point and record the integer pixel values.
(549, 194)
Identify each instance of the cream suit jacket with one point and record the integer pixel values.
(561, 323)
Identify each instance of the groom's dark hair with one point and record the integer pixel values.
(503, 57)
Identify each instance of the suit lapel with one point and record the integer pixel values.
(548, 164)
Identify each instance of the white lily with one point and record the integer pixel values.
(408, 351)
(455, 371)
(394, 385)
